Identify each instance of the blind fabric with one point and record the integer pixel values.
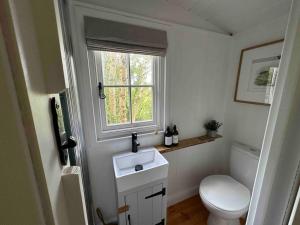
(114, 36)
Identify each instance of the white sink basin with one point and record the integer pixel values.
(155, 167)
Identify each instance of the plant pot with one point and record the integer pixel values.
(212, 133)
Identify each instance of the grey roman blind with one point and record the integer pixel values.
(106, 35)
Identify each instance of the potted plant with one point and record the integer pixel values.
(212, 127)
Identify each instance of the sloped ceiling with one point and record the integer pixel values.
(158, 9)
(235, 15)
(223, 16)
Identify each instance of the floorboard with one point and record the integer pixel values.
(189, 212)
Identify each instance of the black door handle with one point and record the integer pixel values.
(162, 192)
(70, 143)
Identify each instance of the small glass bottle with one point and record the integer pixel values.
(168, 137)
(175, 134)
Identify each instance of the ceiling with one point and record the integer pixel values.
(235, 15)
(224, 16)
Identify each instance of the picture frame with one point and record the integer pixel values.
(257, 73)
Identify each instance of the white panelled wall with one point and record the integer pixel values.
(201, 74)
(196, 66)
(196, 93)
(246, 123)
(191, 101)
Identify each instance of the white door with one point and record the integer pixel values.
(145, 206)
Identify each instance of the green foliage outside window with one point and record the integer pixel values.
(128, 80)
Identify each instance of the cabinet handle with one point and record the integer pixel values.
(162, 222)
(162, 192)
(129, 221)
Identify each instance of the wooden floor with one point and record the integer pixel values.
(189, 212)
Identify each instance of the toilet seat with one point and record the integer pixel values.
(225, 194)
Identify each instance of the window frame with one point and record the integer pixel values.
(105, 127)
(104, 131)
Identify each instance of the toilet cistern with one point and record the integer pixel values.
(227, 197)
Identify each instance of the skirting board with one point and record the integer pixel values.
(182, 195)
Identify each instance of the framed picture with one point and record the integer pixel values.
(257, 73)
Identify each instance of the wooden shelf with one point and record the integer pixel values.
(187, 143)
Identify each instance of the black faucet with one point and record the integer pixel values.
(135, 142)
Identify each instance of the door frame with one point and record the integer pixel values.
(74, 109)
(275, 135)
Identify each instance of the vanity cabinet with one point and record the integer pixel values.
(144, 206)
(142, 194)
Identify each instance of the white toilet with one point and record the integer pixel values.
(226, 197)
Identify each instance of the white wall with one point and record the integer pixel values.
(246, 123)
(19, 199)
(31, 89)
(201, 75)
(197, 77)
(196, 74)
(196, 80)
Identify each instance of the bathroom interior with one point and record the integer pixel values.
(167, 111)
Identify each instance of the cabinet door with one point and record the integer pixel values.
(131, 201)
(142, 210)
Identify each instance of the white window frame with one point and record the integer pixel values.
(105, 132)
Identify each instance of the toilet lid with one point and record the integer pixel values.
(224, 193)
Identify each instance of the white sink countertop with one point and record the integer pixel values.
(155, 167)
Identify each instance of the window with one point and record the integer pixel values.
(128, 86)
(133, 89)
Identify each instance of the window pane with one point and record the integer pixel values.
(115, 68)
(142, 104)
(117, 105)
(141, 69)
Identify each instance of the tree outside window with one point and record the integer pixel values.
(129, 87)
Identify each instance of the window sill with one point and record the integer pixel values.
(186, 143)
(126, 133)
